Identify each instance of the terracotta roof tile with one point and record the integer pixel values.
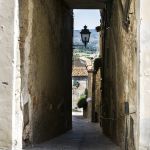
(79, 72)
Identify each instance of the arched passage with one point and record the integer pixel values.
(31, 88)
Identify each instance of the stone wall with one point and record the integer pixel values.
(92, 113)
(97, 96)
(120, 74)
(88, 111)
(46, 56)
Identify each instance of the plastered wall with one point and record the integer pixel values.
(144, 103)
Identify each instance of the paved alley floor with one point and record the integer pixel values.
(84, 136)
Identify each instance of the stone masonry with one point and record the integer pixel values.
(120, 73)
(46, 64)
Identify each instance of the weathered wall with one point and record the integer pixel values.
(88, 111)
(97, 95)
(144, 43)
(120, 75)
(93, 110)
(46, 46)
(25, 22)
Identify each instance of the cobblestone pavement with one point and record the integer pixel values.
(84, 136)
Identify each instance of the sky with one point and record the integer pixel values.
(82, 17)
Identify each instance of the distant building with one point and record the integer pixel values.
(79, 63)
(79, 81)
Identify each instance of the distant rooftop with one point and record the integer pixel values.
(79, 72)
(79, 63)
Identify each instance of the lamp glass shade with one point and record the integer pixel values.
(85, 35)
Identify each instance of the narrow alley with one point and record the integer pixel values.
(39, 79)
(84, 136)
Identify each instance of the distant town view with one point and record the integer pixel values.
(92, 48)
(83, 58)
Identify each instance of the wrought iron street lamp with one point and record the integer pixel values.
(85, 35)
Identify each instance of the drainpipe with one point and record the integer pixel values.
(126, 109)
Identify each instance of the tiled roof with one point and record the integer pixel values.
(79, 72)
